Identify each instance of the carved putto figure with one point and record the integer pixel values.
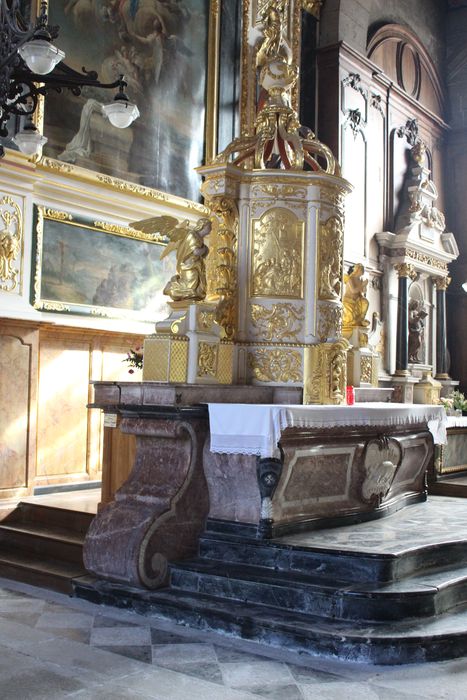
(189, 283)
(417, 315)
(355, 301)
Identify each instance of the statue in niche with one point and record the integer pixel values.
(355, 301)
(417, 315)
(189, 282)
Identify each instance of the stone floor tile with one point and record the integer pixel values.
(105, 621)
(226, 654)
(41, 683)
(65, 619)
(307, 674)
(110, 691)
(124, 636)
(184, 653)
(339, 691)
(13, 634)
(141, 653)
(75, 634)
(162, 637)
(258, 673)
(206, 671)
(165, 684)
(24, 618)
(95, 662)
(21, 605)
(278, 692)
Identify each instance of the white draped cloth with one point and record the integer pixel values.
(255, 429)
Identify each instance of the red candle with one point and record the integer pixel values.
(350, 395)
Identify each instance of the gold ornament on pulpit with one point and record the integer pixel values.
(355, 301)
(189, 283)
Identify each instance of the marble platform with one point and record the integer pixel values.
(387, 592)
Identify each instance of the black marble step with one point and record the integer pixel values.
(331, 563)
(409, 641)
(421, 596)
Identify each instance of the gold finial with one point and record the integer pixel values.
(418, 152)
(278, 137)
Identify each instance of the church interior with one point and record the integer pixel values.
(233, 383)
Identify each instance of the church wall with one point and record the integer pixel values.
(370, 86)
(456, 174)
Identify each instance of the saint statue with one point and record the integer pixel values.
(417, 315)
(189, 282)
(355, 301)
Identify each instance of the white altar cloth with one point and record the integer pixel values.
(255, 429)
(457, 422)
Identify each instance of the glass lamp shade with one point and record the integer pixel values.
(40, 56)
(29, 141)
(121, 113)
(464, 286)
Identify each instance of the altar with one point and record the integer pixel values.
(250, 468)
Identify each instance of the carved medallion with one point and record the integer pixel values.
(382, 459)
(276, 365)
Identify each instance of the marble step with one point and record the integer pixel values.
(39, 570)
(424, 595)
(71, 520)
(332, 562)
(43, 539)
(410, 641)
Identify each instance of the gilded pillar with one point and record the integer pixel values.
(441, 284)
(404, 272)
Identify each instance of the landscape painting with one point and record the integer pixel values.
(161, 48)
(98, 269)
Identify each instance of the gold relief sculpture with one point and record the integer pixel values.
(330, 321)
(57, 165)
(425, 259)
(276, 365)
(52, 306)
(313, 7)
(206, 319)
(56, 214)
(325, 373)
(207, 359)
(442, 283)
(405, 270)
(11, 237)
(277, 255)
(222, 263)
(279, 191)
(330, 258)
(271, 15)
(189, 283)
(130, 233)
(279, 322)
(355, 301)
(366, 369)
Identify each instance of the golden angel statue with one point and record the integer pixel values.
(355, 301)
(189, 283)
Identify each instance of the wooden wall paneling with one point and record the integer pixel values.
(63, 429)
(18, 390)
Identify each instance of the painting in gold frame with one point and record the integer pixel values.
(96, 268)
(168, 52)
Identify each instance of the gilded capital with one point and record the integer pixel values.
(405, 270)
(441, 283)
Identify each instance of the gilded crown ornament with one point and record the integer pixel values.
(278, 140)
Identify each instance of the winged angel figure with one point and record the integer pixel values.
(187, 241)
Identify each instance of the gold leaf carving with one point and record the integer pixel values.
(56, 214)
(330, 321)
(330, 258)
(277, 255)
(11, 237)
(276, 365)
(325, 373)
(207, 359)
(278, 322)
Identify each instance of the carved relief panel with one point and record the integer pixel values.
(277, 255)
(11, 243)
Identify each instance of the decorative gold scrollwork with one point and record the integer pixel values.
(278, 365)
(11, 237)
